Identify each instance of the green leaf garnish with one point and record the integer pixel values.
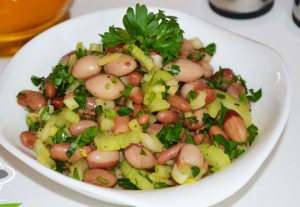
(255, 95)
(192, 95)
(80, 53)
(252, 133)
(195, 171)
(125, 111)
(210, 49)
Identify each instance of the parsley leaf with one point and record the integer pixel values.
(125, 111)
(59, 165)
(252, 133)
(193, 120)
(192, 95)
(37, 81)
(195, 171)
(220, 96)
(99, 109)
(175, 69)
(126, 92)
(143, 152)
(229, 145)
(80, 53)
(255, 95)
(125, 183)
(210, 49)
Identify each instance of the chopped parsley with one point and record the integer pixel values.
(252, 133)
(125, 111)
(80, 53)
(143, 152)
(126, 92)
(192, 95)
(195, 171)
(210, 49)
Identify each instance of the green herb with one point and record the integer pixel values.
(221, 96)
(175, 70)
(59, 165)
(243, 98)
(88, 135)
(125, 183)
(141, 112)
(190, 56)
(168, 134)
(195, 171)
(214, 169)
(143, 152)
(193, 120)
(255, 95)
(204, 136)
(75, 174)
(146, 176)
(113, 171)
(99, 109)
(145, 127)
(192, 95)
(152, 95)
(141, 72)
(223, 112)
(110, 113)
(103, 180)
(160, 185)
(126, 92)
(37, 81)
(60, 136)
(229, 146)
(114, 80)
(210, 49)
(125, 111)
(107, 86)
(80, 100)
(252, 133)
(237, 104)
(45, 114)
(148, 31)
(73, 146)
(29, 109)
(32, 126)
(190, 139)
(80, 53)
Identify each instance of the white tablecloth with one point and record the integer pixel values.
(276, 183)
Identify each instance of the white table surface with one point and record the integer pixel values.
(276, 183)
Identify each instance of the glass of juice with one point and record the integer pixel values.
(21, 20)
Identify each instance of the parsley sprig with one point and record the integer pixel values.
(148, 31)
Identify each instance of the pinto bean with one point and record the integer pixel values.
(36, 100)
(143, 119)
(121, 123)
(135, 78)
(116, 49)
(235, 90)
(68, 95)
(85, 113)
(199, 137)
(78, 128)
(90, 103)
(58, 151)
(190, 155)
(167, 117)
(22, 98)
(103, 160)
(199, 115)
(91, 177)
(136, 95)
(102, 87)
(179, 103)
(228, 74)
(186, 45)
(234, 126)
(50, 89)
(154, 128)
(136, 159)
(67, 57)
(28, 139)
(193, 86)
(189, 70)
(86, 67)
(57, 102)
(122, 66)
(214, 130)
(169, 154)
(207, 57)
(208, 69)
(157, 58)
(77, 156)
(211, 95)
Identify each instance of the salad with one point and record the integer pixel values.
(143, 110)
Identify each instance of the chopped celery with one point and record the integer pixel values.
(134, 175)
(96, 47)
(163, 171)
(145, 60)
(214, 156)
(199, 101)
(230, 103)
(106, 124)
(71, 103)
(135, 126)
(81, 167)
(158, 105)
(197, 43)
(109, 58)
(43, 154)
(44, 133)
(151, 142)
(110, 142)
(161, 74)
(70, 116)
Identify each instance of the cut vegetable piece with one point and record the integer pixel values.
(214, 156)
(43, 154)
(178, 176)
(135, 126)
(230, 103)
(151, 142)
(81, 167)
(71, 103)
(134, 175)
(70, 116)
(199, 101)
(196, 42)
(96, 47)
(110, 142)
(161, 75)
(145, 60)
(108, 58)
(158, 105)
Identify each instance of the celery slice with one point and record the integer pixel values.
(230, 103)
(43, 154)
(158, 105)
(145, 60)
(81, 166)
(134, 176)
